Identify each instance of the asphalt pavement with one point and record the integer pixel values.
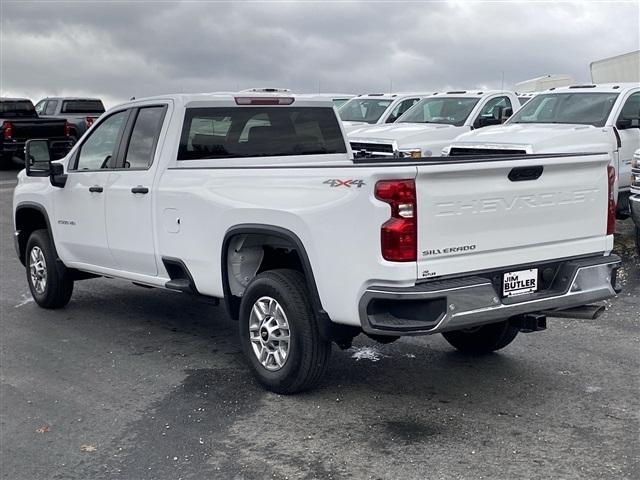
(134, 383)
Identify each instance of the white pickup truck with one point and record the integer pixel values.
(433, 122)
(256, 199)
(580, 118)
(376, 108)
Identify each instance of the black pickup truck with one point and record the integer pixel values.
(79, 112)
(19, 122)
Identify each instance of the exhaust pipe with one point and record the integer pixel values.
(584, 312)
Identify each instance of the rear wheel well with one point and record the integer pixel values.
(28, 220)
(247, 255)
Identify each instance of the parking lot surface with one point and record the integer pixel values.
(133, 383)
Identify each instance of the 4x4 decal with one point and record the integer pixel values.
(334, 182)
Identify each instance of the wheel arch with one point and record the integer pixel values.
(295, 244)
(29, 217)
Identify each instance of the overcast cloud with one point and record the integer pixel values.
(116, 50)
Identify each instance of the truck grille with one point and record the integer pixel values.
(485, 151)
(372, 148)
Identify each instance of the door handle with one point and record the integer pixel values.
(96, 189)
(523, 174)
(140, 189)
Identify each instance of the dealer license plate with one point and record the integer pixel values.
(520, 282)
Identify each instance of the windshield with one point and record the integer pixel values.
(368, 110)
(573, 108)
(17, 108)
(445, 110)
(82, 106)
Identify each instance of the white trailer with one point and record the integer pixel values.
(544, 82)
(621, 68)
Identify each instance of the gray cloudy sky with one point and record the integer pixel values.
(120, 49)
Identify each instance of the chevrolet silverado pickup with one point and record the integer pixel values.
(579, 118)
(79, 112)
(256, 200)
(433, 122)
(19, 122)
(376, 108)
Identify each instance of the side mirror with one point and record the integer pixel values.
(506, 114)
(624, 123)
(498, 113)
(39, 154)
(37, 158)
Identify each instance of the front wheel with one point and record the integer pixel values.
(279, 333)
(50, 283)
(484, 339)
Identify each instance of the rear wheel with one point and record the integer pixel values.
(484, 339)
(279, 333)
(50, 283)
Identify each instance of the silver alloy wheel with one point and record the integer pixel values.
(38, 269)
(269, 333)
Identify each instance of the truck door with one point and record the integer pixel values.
(129, 219)
(79, 206)
(628, 127)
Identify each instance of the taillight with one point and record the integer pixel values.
(67, 129)
(398, 235)
(611, 213)
(89, 121)
(7, 130)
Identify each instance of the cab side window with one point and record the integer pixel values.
(144, 137)
(97, 151)
(494, 112)
(630, 114)
(50, 109)
(400, 108)
(40, 107)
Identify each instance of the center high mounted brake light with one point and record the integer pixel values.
(264, 100)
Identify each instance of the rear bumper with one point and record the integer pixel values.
(454, 304)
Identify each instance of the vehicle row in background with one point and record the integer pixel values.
(578, 119)
(432, 123)
(20, 122)
(79, 112)
(58, 119)
(377, 108)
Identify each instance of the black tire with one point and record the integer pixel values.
(638, 240)
(484, 339)
(308, 354)
(58, 287)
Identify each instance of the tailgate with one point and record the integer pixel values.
(487, 214)
(37, 128)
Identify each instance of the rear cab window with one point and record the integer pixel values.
(82, 106)
(17, 109)
(241, 132)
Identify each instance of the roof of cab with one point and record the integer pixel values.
(227, 97)
(590, 87)
(469, 93)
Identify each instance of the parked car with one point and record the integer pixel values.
(256, 199)
(376, 108)
(580, 118)
(79, 112)
(433, 122)
(635, 196)
(20, 122)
